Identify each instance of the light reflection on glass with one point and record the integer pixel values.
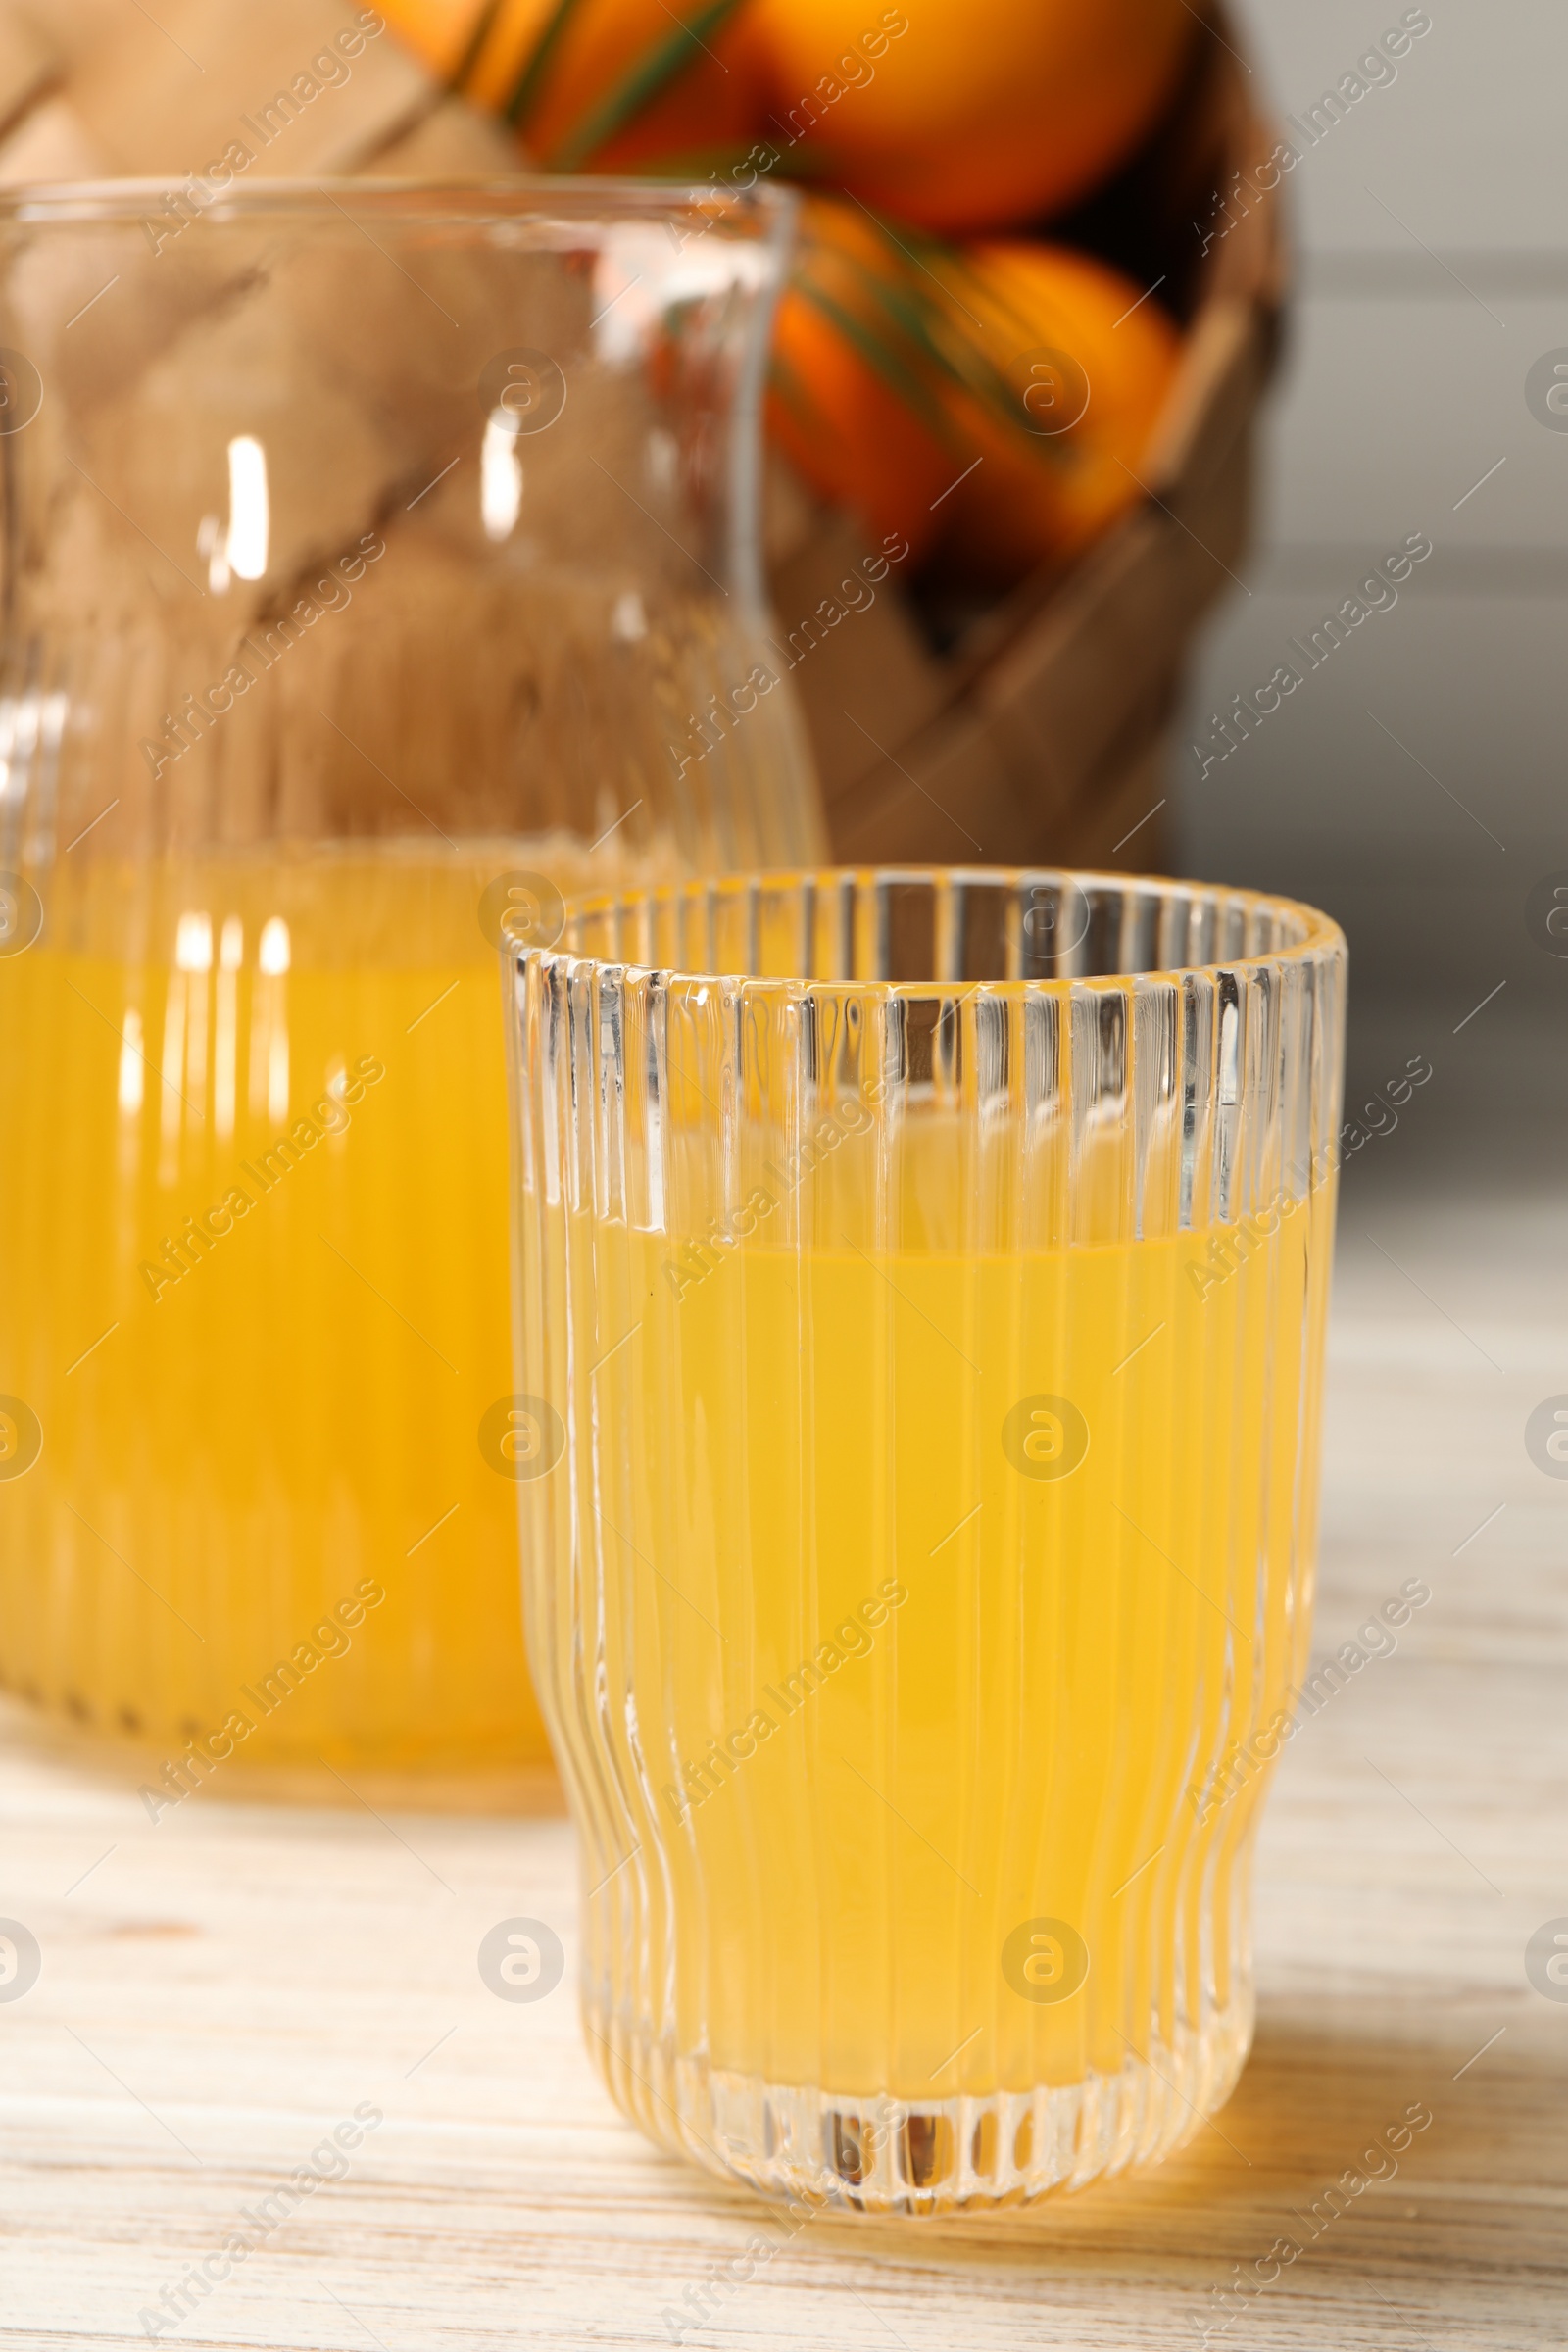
(272, 1015)
(226, 1038)
(193, 942)
(211, 541)
(628, 621)
(193, 953)
(30, 722)
(249, 512)
(174, 1070)
(500, 475)
(132, 1065)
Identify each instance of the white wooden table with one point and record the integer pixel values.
(220, 1991)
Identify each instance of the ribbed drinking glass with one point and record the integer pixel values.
(922, 1291)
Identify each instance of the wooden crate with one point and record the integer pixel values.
(94, 88)
(1045, 733)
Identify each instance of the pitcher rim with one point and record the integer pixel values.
(111, 201)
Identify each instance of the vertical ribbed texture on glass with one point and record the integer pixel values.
(921, 1296)
(330, 646)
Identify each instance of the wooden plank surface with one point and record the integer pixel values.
(221, 1990)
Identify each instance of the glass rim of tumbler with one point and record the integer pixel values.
(439, 200)
(1315, 933)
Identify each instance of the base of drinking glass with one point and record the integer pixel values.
(873, 2154)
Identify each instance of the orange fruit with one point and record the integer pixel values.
(1085, 371)
(960, 117)
(848, 402)
(712, 103)
(437, 30)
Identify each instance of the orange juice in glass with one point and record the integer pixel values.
(924, 1286)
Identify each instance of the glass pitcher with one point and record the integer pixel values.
(381, 564)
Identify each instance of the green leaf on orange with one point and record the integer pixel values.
(642, 82)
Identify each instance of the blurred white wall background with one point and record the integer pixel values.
(1415, 782)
